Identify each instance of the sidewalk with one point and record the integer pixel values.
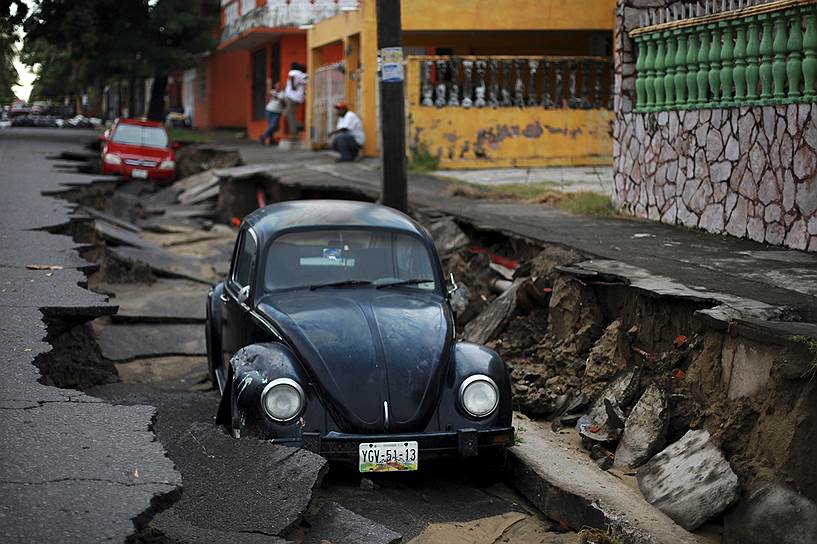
(755, 284)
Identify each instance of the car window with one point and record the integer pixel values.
(320, 257)
(139, 135)
(242, 274)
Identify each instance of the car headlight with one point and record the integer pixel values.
(167, 165)
(282, 399)
(479, 395)
(110, 158)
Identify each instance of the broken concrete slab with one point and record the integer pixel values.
(574, 314)
(121, 223)
(334, 523)
(553, 472)
(192, 159)
(168, 526)
(215, 464)
(773, 513)
(448, 236)
(121, 236)
(645, 430)
(491, 322)
(690, 480)
(127, 342)
(165, 300)
(163, 369)
(167, 263)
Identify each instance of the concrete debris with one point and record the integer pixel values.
(192, 159)
(620, 392)
(460, 299)
(167, 263)
(503, 271)
(366, 484)
(689, 480)
(507, 527)
(203, 190)
(597, 430)
(608, 357)
(544, 264)
(646, 428)
(133, 341)
(560, 479)
(575, 314)
(120, 236)
(165, 300)
(773, 513)
(448, 236)
(168, 526)
(96, 214)
(490, 323)
(334, 523)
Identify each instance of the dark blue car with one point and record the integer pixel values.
(333, 332)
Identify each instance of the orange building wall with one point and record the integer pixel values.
(226, 91)
(293, 49)
(331, 53)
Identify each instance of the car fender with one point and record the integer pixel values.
(212, 330)
(251, 369)
(467, 360)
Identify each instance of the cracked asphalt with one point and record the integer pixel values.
(72, 467)
(84, 466)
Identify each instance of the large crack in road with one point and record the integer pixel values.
(243, 490)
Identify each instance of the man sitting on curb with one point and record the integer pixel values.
(348, 137)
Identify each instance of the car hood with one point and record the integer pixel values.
(139, 152)
(364, 347)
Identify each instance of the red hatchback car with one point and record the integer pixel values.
(138, 149)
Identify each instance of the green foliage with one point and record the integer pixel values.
(586, 203)
(8, 49)
(422, 159)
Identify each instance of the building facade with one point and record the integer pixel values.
(489, 83)
(258, 41)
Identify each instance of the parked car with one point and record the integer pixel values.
(333, 331)
(137, 149)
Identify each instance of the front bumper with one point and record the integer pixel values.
(460, 443)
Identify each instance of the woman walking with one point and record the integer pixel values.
(274, 107)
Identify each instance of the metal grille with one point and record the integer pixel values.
(328, 88)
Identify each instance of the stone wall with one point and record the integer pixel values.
(750, 172)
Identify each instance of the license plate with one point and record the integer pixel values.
(388, 456)
(141, 174)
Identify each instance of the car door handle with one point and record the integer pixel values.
(223, 297)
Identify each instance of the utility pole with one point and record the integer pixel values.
(392, 106)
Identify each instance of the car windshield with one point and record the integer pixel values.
(139, 135)
(348, 258)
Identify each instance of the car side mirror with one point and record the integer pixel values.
(244, 294)
(453, 287)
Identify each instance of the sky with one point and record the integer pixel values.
(26, 75)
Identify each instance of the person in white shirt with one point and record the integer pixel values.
(348, 137)
(294, 95)
(274, 107)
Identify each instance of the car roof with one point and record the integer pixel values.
(302, 214)
(140, 122)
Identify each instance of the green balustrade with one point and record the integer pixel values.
(680, 68)
(752, 60)
(779, 48)
(810, 54)
(762, 54)
(739, 74)
(692, 68)
(703, 70)
(727, 60)
(669, 66)
(766, 59)
(794, 46)
(714, 63)
(660, 72)
(649, 66)
(641, 74)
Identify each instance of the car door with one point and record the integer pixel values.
(237, 296)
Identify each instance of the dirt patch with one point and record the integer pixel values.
(75, 360)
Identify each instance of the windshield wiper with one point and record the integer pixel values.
(413, 281)
(345, 283)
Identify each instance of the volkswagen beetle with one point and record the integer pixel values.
(333, 332)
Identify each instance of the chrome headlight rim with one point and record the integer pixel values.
(471, 380)
(287, 382)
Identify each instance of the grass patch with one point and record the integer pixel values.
(597, 536)
(422, 159)
(579, 203)
(189, 135)
(811, 345)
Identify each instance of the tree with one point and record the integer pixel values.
(16, 11)
(180, 30)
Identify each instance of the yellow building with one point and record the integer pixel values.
(489, 83)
